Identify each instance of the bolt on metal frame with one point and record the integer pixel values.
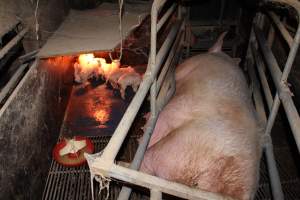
(260, 55)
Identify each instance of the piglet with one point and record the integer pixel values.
(208, 135)
(132, 79)
(82, 74)
(114, 75)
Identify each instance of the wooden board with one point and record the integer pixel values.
(93, 30)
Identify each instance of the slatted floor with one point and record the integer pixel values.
(74, 183)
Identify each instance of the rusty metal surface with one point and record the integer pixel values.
(93, 30)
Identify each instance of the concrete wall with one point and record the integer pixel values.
(50, 14)
(29, 127)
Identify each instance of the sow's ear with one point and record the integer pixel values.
(217, 47)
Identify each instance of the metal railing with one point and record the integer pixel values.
(260, 55)
(160, 94)
(6, 53)
(161, 89)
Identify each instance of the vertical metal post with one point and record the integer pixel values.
(277, 192)
(222, 7)
(188, 32)
(271, 36)
(153, 90)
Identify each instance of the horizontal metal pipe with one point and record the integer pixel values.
(271, 36)
(263, 79)
(120, 133)
(153, 182)
(284, 32)
(29, 56)
(19, 86)
(12, 43)
(166, 16)
(155, 194)
(12, 82)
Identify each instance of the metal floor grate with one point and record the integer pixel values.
(74, 183)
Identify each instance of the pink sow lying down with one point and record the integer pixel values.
(208, 136)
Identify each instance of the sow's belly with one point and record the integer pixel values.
(207, 136)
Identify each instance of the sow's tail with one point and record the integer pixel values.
(217, 47)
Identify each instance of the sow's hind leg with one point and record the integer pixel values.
(186, 156)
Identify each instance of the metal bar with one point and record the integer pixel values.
(279, 79)
(268, 55)
(154, 29)
(263, 79)
(166, 16)
(150, 126)
(291, 56)
(222, 7)
(153, 182)
(157, 5)
(12, 43)
(277, 191)
(125, 192)
(271, 36)
(120, 133)
(155, 194)
(29, 56)
(12, 82)
(285, 34)
(17, 89)
(259, 105)
(173, 52)
(188, 33)
(167, 90)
